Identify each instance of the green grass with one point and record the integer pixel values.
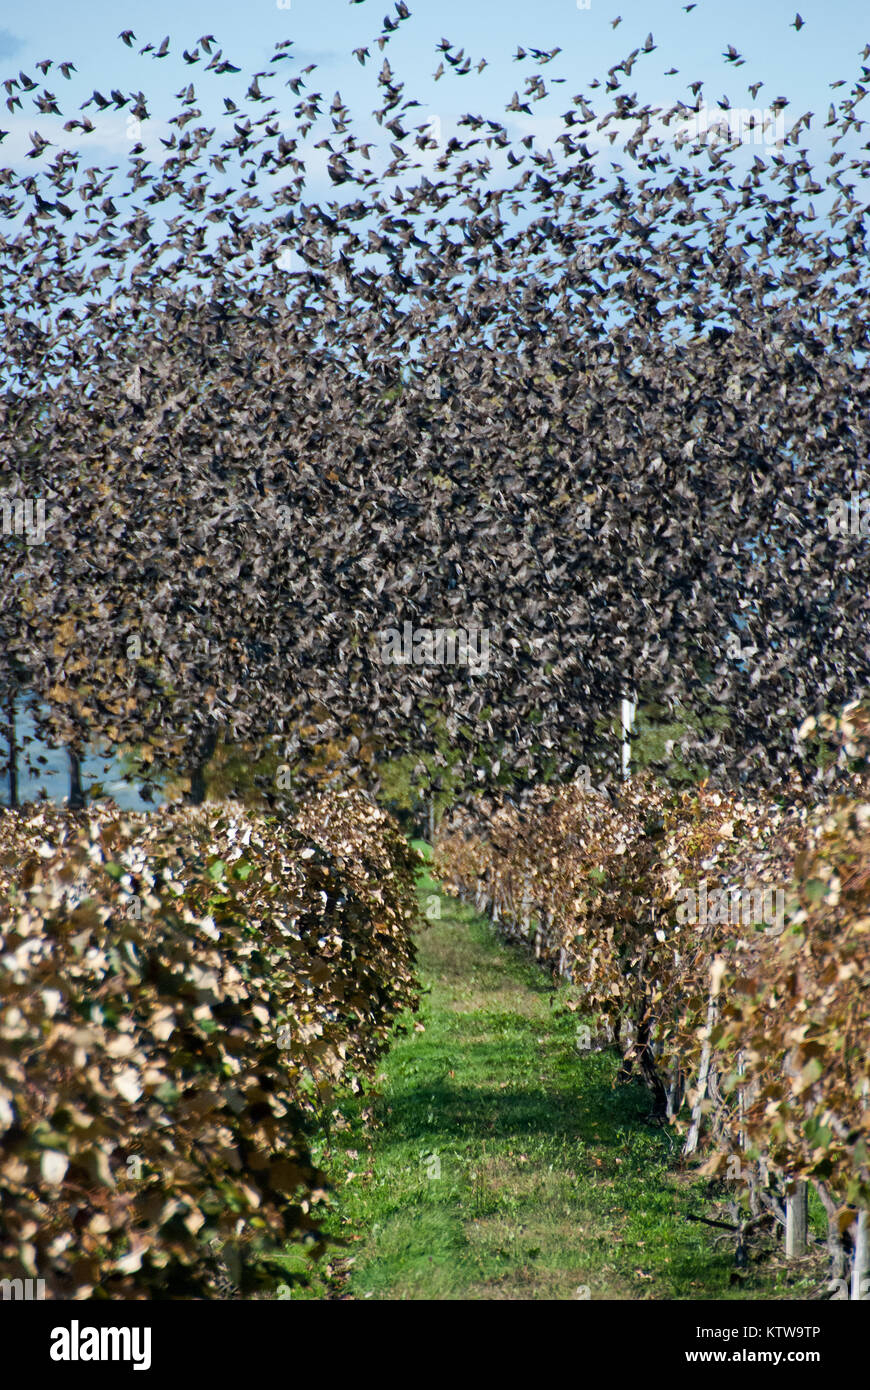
(495, 1161)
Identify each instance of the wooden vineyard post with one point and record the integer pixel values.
(675, 1091)
(543, 927)
(796, 1209)
(835, 1240)
(860, 1290)
(741, 1103)
(695, 1127)
(480, 896)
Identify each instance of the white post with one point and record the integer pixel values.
(703, 1080)
(526, 909)
(861, 1260)
(628, 712)
(796, 1220)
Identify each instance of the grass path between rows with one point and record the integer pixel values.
(496, 1161)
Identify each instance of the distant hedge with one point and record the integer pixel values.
(181, 992)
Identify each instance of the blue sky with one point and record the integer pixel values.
(328, 29)
(794, 64)
(797, 65)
